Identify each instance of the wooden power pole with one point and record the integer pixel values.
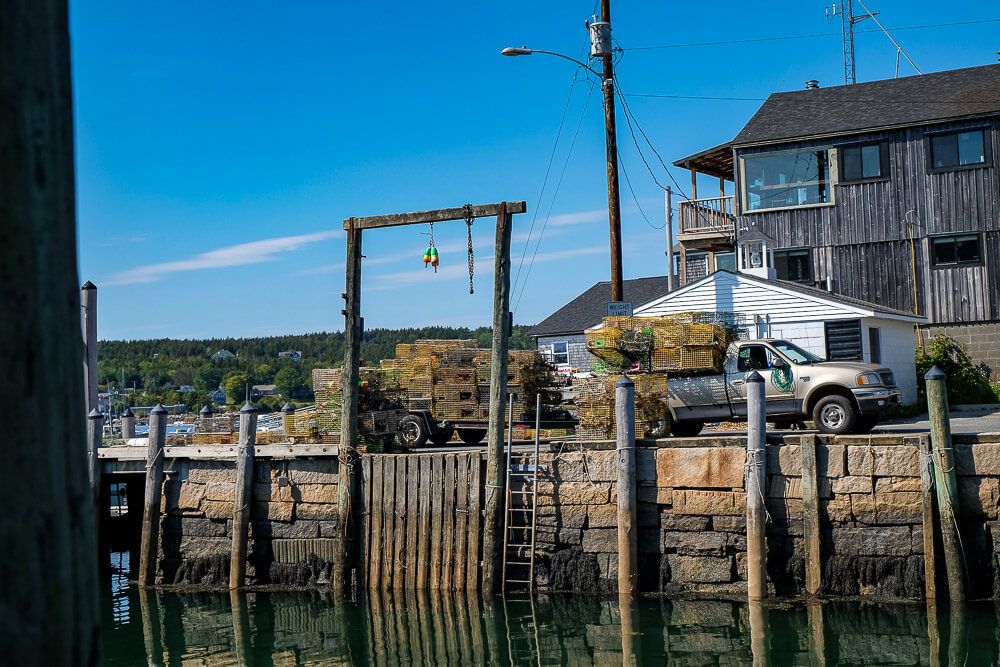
(48, 575)
(611, 143)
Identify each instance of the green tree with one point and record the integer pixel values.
(207, 378)
(235, 385)
(290, 382)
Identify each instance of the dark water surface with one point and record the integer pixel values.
(306, 628)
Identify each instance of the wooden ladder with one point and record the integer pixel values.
(520, 518)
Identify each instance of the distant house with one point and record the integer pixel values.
(559, 337)
(218, 396)
(294, 355)
(259, 390)
(223, 355)
(186, 389)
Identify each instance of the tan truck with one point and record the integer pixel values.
(839, 396)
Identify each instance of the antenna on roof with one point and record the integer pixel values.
(848, 19)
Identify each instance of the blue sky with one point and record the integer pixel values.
(221, 144)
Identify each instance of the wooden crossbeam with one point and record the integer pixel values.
(438, 215)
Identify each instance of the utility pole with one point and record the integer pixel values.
(600, 46)
(847, 22)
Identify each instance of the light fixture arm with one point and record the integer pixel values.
(527, 52)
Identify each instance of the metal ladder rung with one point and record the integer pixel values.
(519, 562)
(510, 546)
(518, 581)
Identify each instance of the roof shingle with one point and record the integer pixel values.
(587, 309)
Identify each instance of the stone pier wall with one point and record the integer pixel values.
(692, 509)
(292, 530)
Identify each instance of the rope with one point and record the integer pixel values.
(757, 459)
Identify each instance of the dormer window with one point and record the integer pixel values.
(786, 179)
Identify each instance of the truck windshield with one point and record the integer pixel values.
(795, 353)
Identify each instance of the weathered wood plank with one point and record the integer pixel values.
(412, 520)
(399, 532)
(435, 215)
(242, 497)
(220, 452)
(810, 515)
(365, 524)
(388, 521)
(461, 519)
(448, 523)
(475, 522)
(375, 544)
(437, 503)
(424, 525)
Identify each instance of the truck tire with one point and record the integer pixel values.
(835, 414)
(413, 432)
(442, 436)
(687, 428)
(472, 436)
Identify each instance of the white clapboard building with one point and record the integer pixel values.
(827, 324)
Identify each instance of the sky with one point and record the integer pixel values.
(220, 145)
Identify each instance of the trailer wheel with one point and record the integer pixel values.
(442, 436)
(472, 436)
(687, 428)
(413, 432)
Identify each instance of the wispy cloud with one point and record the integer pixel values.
(255, 252)
(579, 217)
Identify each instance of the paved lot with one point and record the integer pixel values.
(964, 419)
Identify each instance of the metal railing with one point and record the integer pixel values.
(714, 215)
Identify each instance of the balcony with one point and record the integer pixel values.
(704, 223)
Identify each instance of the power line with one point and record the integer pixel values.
(628, 182)
(751, 40)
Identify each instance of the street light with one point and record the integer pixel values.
(600, 46)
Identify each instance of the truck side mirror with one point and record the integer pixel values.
(778, 362)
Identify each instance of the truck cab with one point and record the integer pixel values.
(839, 396)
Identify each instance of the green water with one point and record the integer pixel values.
(306, 628)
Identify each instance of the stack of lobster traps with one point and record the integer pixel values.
(380, 409)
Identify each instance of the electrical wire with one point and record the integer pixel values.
(552, 202)
(628, 182)
(781, 38)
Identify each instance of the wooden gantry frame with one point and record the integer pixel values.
(504, 212)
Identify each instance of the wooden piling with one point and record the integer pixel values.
(149, 614)
(88, 300)
(243, 498)
(817, 633)
(287, 412)
(755, 485)
(95, 432)
(128, 424)
(149, 537)
(626, 616)
(628, 563)
(343, 547)
(945, 480)
(498, 394)
(758, 633)
(810, 514)
(928, 517)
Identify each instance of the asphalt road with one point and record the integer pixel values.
(964, 419)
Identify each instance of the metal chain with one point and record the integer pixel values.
(472, 259)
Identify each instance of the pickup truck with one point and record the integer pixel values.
(839, 396)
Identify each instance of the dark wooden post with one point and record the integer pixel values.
(95, 432)
(943, 456)
(128, 424)
(628, 536)
(810, 514)
(149, 538)
(49, 574)
(498, 395)
(88, 298)
(755, 485)
(243, 498)
(343, 547)
(928, 517)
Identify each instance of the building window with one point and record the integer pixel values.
(793, 265)
(864, 162)
(875, 345)
(785, 179)
(725, 261)
(957, 149)
(961, 250)
(560, 353)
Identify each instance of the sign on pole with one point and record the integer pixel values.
(619, 308)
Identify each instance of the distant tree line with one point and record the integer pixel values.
(151, 371)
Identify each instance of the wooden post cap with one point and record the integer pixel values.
(624, 381)
(95, 414)
(935, 373)
(288, 408)
(755, 377)
(158, 410)
(248, 407)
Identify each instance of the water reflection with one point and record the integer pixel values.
(272, 628)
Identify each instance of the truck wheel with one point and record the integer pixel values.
(687, 428)
(442, 436)
(835, 414)
(412, 432)
(471, 436)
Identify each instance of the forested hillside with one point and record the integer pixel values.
(156, 369)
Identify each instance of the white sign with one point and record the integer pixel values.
(619, 309)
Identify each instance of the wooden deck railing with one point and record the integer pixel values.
(712, 216)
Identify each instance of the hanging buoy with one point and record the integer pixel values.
(434, 258)
(427, 256)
